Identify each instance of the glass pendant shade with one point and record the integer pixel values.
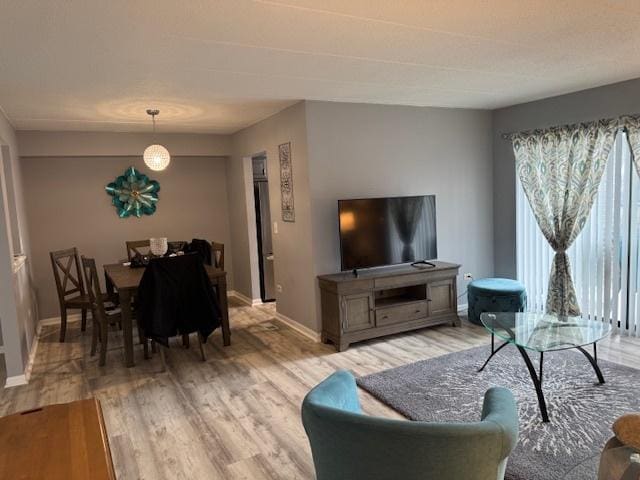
(156, 157)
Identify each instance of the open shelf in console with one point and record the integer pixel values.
(400, 295)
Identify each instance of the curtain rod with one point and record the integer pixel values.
(622, 128)
(507, 136)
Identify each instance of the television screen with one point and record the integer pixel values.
(387, 231)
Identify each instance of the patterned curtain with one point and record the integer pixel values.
(632, 124)
(560, 169)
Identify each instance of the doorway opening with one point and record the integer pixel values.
(263, 228)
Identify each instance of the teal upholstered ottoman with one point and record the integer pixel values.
(495, 295)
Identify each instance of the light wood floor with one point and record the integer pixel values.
(237, 416)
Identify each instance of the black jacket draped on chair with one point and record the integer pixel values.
(176, 297)
(202, 248)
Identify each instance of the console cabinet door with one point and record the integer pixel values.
(357, 312)
(441, 297)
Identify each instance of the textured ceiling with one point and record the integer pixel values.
(218, 66)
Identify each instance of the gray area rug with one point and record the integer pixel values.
(448, 388)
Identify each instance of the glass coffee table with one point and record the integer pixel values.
(541, 332)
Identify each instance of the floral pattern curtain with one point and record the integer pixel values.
(632, 125)
(560, 170)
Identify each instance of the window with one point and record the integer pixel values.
(605, 256)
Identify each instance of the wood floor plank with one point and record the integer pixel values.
(237, 415)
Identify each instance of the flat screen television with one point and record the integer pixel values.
(387, 231)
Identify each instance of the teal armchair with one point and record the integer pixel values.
(348, 445)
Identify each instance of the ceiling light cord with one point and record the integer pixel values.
(153, 112)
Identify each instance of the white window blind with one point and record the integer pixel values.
(605, 256)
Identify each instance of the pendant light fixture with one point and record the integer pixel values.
(156, 156)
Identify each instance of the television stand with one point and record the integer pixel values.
(385, 301)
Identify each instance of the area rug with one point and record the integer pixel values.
(449, 388)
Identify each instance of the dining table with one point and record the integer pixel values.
(125, 280)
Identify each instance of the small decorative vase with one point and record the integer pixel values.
(158, 246)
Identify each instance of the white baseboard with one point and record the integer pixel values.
(32, 353)
(23, 379)
(244, 299)
(74, 317)
(15, 381)
(306, 331)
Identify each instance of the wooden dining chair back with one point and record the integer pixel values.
(217, 255)
(69, 285)
(138, 247)
(176, 246)
(101, 316)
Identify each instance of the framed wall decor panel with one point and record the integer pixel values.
(286, 183)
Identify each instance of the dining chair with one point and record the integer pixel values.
(70, 286)
(102, 316)
(175, 298)
(176, 246)
(134, 248)
(217, 255)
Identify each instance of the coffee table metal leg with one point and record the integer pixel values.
(594, 362)
(493, 352)
(536, 383)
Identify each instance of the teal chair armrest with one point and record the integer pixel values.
(500, 407)
(339, 391)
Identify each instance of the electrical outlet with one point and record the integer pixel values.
(468, 276)
(279, 288)
(275, 227)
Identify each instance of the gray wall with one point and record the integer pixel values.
(359, 150)
(86, 144)
(592, 104)
(292, 245)
(238, 201)
(351, 150)
(17, 313)
(239, 182)
(67, 206)
(11, 141)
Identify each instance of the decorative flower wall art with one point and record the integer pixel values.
(134, 194)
